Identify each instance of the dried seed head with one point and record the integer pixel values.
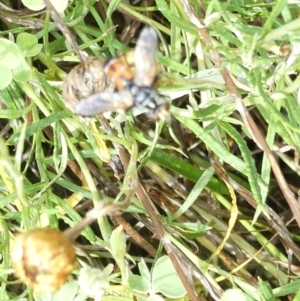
(43, 259)
(84, 80)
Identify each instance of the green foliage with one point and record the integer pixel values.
(236, 294)
(68, 292)
(162, 279)
(28, 44)
(211, 185)
(10, 58)
(36, 5)
(13, 64)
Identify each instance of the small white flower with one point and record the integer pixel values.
(93, 281)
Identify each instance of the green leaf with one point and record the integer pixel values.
(177, 21)
(10, 54)
(26, 41)
(196, 191)
(297, 296)
(235, 294)
(197, 228)
(67, 292)
(276, 10)
(139, 284)
(266, 290)
(250, 171)
(34, 4)
(23, 72)
(5, 77)
(39, 126)
(186, 170)
(155, 298)
(113, 5)
(118, 243)
(118, 250)
(15, 113)
(165, 279)
(28, 44)
(144, 271)
(34, 50)
(287, 289)
(60, 5)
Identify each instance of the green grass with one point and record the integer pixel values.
(207, 188)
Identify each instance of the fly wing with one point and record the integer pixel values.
(104, 102)
(145, 61)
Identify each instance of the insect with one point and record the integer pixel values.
(132, 89)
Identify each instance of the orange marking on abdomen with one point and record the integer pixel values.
(118, 72)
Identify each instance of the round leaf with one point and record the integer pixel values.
(10, 54)
(60, 5)
(139, 284)
(28, 44)
(34, 50)
(5, 77)
(165, 279)
(34, 4)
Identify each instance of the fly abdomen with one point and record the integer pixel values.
(118, 73)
